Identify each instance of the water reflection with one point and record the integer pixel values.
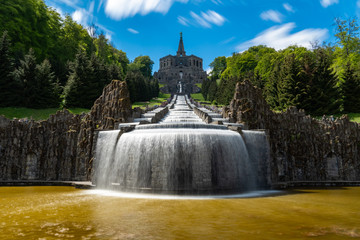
(252, 194)
(68, 213)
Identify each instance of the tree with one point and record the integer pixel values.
(26, 75)
(39, 88)
(77, 86)
(145, 65)
(350, 88)
(48, 89)
(324, 96)
(9, 87)
(218, 67)
(347, 32)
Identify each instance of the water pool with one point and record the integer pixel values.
(68, 213)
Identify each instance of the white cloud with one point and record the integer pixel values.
(83, 16)
(279, 37)
(108, 36)
(120, 9)
(326, 3)
(183, 21)
(79, 16)
(200, 21)
(205, 19)
(288, 7)
(358, 3)
(133, 31)
(272, 15)
(213, 17)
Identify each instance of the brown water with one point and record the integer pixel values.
(68, 213)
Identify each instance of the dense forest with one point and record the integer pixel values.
(321, 80)
(50, 61)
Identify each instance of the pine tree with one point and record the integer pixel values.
(26, 75)
(10, 89)
(324, 96)
(77, 86)
(350, 90)
(48, 88)
(98, 80)
(212, 91)
(288, 87)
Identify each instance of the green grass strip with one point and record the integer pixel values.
(36, 114)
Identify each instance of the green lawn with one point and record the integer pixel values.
(199, 98)
(155, 101)
(36, 114)
(355, 117)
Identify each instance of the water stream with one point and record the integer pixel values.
(181, 155)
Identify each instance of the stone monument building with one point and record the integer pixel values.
(180, 73)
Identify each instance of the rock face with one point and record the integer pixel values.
(62, 147)
(302, 148)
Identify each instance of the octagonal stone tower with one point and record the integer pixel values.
(180, 70)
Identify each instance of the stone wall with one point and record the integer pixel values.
(62, 147)
(302, 148)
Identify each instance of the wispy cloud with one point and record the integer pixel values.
(200, 21)
(213, 17)
(120, 9)
(358, 3)
(133, 31)
(100, 4)
(228, 40)
(217, 2)
(280, 37)
(288, 7)
(70, 3)
(326, 3)
(205, 19)
(272, 15)
(183, 21)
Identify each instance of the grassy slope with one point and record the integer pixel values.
(36, 114)
(155, 101)
(354, 117)
(199, 98)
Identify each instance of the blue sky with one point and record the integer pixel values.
(211, 28)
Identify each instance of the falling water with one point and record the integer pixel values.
(180, 155)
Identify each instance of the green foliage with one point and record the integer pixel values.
(140, 88)
(320, 81)
(48, 90)
(31, 24)
(218, 67)
(143, 64)
(141, 85)
(350, 89)
(37, 81)
(9, 87)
